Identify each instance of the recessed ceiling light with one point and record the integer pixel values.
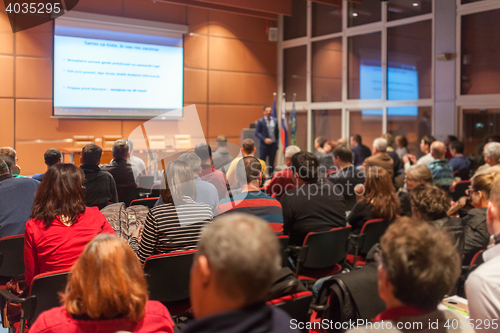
(415, 4)
(354, 14)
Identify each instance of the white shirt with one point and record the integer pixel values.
(483, 289)
(270, 127)
(424, 160)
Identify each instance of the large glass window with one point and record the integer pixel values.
(327, 70)
(325, 19)
(363, 12)
(412, 122)
(480, 49)
(367, 124)
(301, 130)
(479, 125)
(327, 123)
(365, 71)
(398, 9)
(295, 72)
(409, 56)
(296, 25)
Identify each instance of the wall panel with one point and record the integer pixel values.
(35, 42)
(6, 128)
(240, 88)
(239, 116)
(7, 76)
(33, 77)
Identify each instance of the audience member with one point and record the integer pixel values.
(460, 164)
(205, 192)
(221, 157)
(176, 224)
(314, 205)
(16, 199)
(284, 179)
(232, 273)
(425, 147)
(247, 149)
(361, 152)
(483, 284)
(347, 176)
(430, 203)
(342, 141)
(379, 200)
(418, 267)
(137, 163)
(380, 158)
(401, 146)
(15, 170)
(51, 157)
(390, 151)
(251, 200)
(99, 185)
(416, 174)
(442, 173)
(122, 172)
(267, 133)
(329, 146)
(325, 159)
(208, 172)
(447, 143)
(60, 224)
(491, 155)
(106, 292)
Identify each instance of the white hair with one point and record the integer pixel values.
(193, 160)
(380, 144)
(493, 150)
(291, 150)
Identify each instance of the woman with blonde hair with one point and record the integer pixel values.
(106, 292)
(416, 175)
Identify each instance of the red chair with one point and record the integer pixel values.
(370, 235)
(148, 202)
(11, 258)
(168, 280)
(296, 305)
(331, 172)
(322, 254)
(155, 190)
(460, 189)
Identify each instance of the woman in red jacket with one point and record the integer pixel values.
(60, 224)
(106, 293)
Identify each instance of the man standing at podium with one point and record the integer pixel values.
(267, 132)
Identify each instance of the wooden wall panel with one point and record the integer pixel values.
(239, 116)
(108, 7)
(6, 128)
(198, 20)
(223, 24)
(30, 155)
(196, 51)
(240, 88)
(6, 35)
(7, 76)
(33, 78)
(35, 42)
(195, 85)
(154, 11)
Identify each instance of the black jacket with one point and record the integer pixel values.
(344, 182)
(476, 235)
(361, 212)
(311, 208)
(361, 152)
(454, 227)
(100, 187)
(121, 170)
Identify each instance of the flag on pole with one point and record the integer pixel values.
(293, 122)
(273, 114)
(284, 134)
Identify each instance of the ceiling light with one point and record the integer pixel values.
(415, 4)
(354, 14)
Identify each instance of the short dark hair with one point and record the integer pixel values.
(344, 153)
(52, 156)
(248, 170)
(248, 146)
(321, 141)
(305, 164)
(120, 149)
(357, 138)
(430, 201)
(452, 138)
(91, 154)
(203, 150)
(9, 162)
(421, 263)
(4, 167)
(428, 140)
(266, 106)
(458, 146)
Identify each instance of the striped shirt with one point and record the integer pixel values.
(170, 228)
(255, 203)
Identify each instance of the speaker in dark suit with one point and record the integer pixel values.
(267, 133)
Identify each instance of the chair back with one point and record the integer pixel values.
(182, 141)
(371, 232)
(108, 140)
(12, 256)
(44, 295)
(156, 142)
(283, 243)
(296, 305)
(326, 248)
(478, 258)
(460, 189)
(80, 141)
(148, 202)
(168, 276)
(155, 190)
(146, 182)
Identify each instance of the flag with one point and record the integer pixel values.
(293, 122)
(274, 109)
(283, 134)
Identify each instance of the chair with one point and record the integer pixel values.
(148, 202)
(79, 141)
(108, 140)
(11, 257)
(182, 141)
(321, 253)
(155, 190)
(156, 142)
(146, 182)
(283, 242)
(460, 189)
(296, 305)
(167, 276)
(370, 235)
(44, 296)
(468, 268)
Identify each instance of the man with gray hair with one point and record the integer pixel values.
(233, 270)
(283, 180)
(221, 157)
(442, 172)
(491, 153)
(380, 157)
(206, 192)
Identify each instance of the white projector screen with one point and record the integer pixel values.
(116, 71)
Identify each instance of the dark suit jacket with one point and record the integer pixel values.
(345, 180)
(262, 133)
(360, 152)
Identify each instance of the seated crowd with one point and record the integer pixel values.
(231, 210)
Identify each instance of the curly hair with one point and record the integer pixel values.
(430, 201)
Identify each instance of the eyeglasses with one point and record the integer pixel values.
(410, 179)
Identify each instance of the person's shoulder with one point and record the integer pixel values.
(53, 320)
(281, 321)
(25, 181)
(155, 308)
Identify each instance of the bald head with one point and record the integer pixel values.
(438, 150)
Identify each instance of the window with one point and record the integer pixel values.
(398, 9)
(325, 19)
(327, 70)
(479, 125)
(411, 122)
(301, 130)
(367, 123)
(363, 12)
(295, 72)
(296, 25)
(327, 123)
